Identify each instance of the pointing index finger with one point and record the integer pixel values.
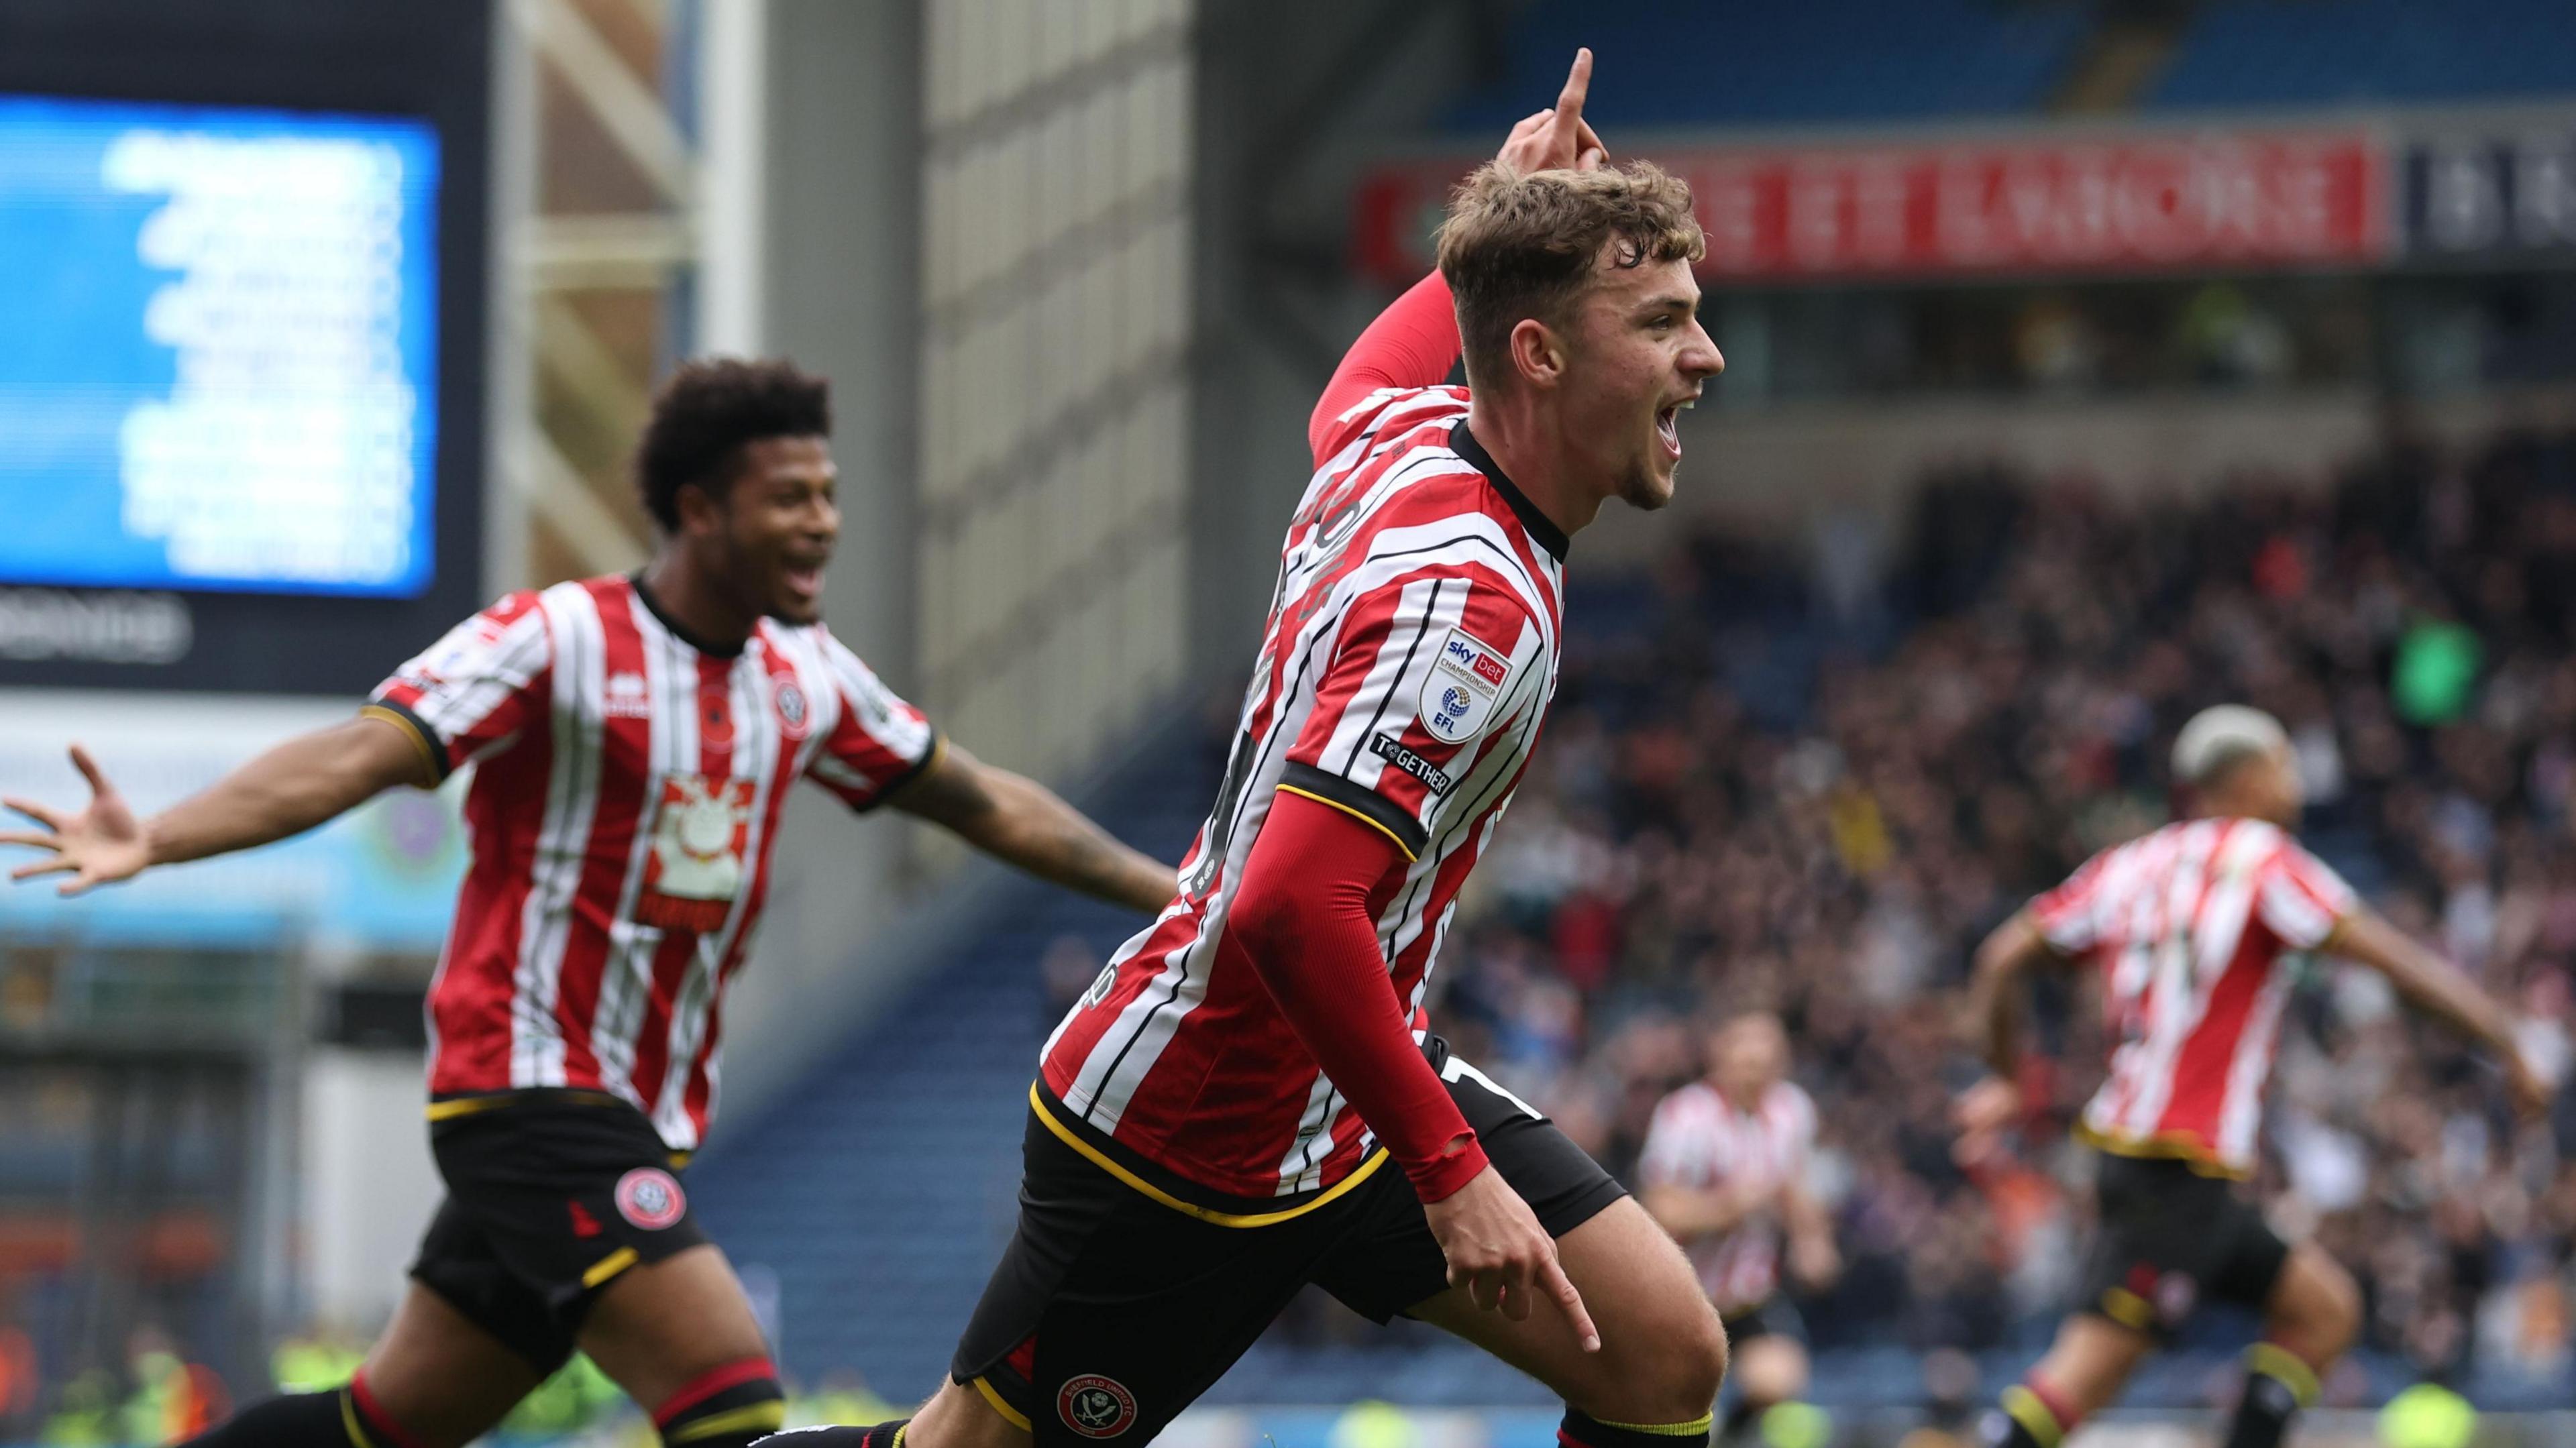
(1552, 1276)
(1578, 84)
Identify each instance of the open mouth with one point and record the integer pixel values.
(1668, 427)
(805, 581)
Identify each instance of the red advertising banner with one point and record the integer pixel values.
(2147, 203)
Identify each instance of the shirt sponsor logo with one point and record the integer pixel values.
(1458, 697)
(628, 698)
(1432, 776)
(701, 835)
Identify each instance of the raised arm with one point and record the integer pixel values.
(1022, 822)
(2431, 985)
(286, 791)
(1414, 342)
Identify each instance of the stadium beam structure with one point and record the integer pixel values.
(604, 250)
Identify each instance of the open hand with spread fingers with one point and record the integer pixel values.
(98, 846)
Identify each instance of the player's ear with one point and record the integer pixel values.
(1538, 354)
(701, 508)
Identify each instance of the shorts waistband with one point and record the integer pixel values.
(1169, 1188)
(454, 1105)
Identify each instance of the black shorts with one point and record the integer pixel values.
(1111, 1311)
(2171, 1239)
(550, 1194)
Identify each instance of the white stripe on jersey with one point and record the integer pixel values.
(572, 799)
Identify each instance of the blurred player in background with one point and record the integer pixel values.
(635, 740)
(2197, 927)
(1249, 1098)
(1725, 1171)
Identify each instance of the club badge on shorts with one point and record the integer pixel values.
(1096, 1407)
(1464, 686)
(651, 1198)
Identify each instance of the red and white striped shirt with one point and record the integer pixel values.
(2192, 924)
(1409, 659)
(1701, 1141)
(626, 796)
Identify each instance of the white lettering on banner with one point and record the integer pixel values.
(2140, 202)
(112, 628)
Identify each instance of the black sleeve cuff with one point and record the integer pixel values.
(1371, 806)
(432, 748)
(906, 780)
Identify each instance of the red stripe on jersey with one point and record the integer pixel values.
(780, 676)
(524, 996)
(1406, 663)
(2188, 1076)
(672, 958)
(469, 998)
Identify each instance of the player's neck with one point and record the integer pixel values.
(681, 594)
(1525, 447)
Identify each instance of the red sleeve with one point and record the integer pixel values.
(475, 691)
(2301, 897)
(2066, 916)
(877, 743)
(1413, 343)
(1305, 916)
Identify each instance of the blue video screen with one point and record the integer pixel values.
(218, 349)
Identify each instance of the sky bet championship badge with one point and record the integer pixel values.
(1459, 698)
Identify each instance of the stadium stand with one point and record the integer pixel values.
(1832, 61)
(2286, 53)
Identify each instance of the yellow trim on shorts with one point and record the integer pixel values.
(1011, 1415)
(2024, 1407)
(1691, 1429)
(349, 1420)
(430, 753)
(2275, 1361)
(2128, 1309)
(2163, 1146)
(771, 1415)
(1354, 814)
(464, 1106)
(1092, 1154)
(608, 1266)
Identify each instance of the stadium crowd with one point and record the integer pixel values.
(1809, 780)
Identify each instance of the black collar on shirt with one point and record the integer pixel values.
(679, 630)
(1546, 533)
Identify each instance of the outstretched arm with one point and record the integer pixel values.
(1689, 1213)
(1022, 822)
(286, 791)
(1995, 989)
(2430, 984)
